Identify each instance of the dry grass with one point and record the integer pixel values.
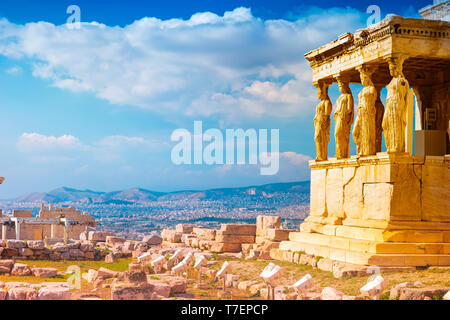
(250, 270)
(61, 266)
(31, 279)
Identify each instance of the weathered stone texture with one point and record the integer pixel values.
(184, 228)
(44, 272)
(318, 199)
(205, 234)
(266, 222)
(20, 269)
(171, 236)
(52, 292)
(238, 229)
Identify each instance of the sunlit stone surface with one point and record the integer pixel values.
(382, 208)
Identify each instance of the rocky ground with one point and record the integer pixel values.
(119, 280)
(156, 268)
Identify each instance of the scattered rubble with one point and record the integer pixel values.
(163, 266)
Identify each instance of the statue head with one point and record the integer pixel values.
(343, 84)
(365, 75)
(396, 66)
(322, 90)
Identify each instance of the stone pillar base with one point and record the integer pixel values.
(383, 210)
(364, 246)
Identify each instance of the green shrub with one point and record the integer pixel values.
(385, 296)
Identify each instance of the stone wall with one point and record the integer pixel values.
(71, 213)
(10, 232)
(385, 210)
(22, 213)
(40, 232)
(381, 188)
(36, 250)
(250, 239)
(269, 234)
(228, 239)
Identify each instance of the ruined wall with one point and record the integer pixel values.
(22, 213)
(10, 232)
(70, 213)
(42, 231)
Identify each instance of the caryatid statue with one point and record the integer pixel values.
(322, 121)
(343, 118)
(394, 120)
(379, 120)
(364, 130)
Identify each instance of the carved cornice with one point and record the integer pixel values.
(375, 43)
(393, 25)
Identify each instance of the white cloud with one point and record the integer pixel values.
(72, 84)
(31, 142)
(295, 158)
(114, 141)
(230, 66)
(131, 142)
(67, 147)
(14, 70)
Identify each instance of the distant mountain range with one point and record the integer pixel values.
(134, 195)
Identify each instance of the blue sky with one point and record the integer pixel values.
(95, 107)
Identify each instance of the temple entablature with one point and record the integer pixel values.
(393, 36)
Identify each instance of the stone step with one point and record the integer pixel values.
(380, 235)
(369, 246)
(231, 238)
(363, 258)
(238, 229)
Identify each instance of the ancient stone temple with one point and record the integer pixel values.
(50, 224)
(382, 208)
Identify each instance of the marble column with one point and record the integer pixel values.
(53, 231)
(17, 229)
(4, 230)
(66, 230)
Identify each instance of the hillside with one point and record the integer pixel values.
(139, 195)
